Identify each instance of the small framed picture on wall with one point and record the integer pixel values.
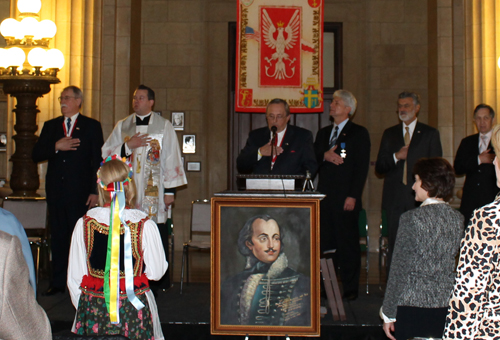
(178, 121)
(3, 141)
(188, 143)
(193, 166)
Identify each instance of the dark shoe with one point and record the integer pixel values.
(350, 296)
(53, 291)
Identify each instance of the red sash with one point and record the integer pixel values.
(276, 145)
(66, 128)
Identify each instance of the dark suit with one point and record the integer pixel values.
(480, 187)
(297, 156)
(71, 178)
(339, 228)
(398, 197)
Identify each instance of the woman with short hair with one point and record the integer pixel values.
(423, 265)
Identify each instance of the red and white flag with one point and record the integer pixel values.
(279, 54)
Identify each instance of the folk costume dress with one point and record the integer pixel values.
(156, 166)
(87, 261)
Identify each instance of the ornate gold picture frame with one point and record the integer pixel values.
(265, 266)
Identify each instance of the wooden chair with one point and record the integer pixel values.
(201, 223)
(383, 245)
(32, 214)
(364, 242)
(171, 243)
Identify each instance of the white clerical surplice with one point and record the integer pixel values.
(156, 166)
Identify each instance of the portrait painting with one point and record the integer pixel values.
(265, 273)
(178, 121)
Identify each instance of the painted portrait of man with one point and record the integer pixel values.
(269, 291)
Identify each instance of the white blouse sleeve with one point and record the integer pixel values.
(77, 266)
(154, 255)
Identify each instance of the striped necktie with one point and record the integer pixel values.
(333, 140)
(68, 124)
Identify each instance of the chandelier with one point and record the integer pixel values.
(27, 51)
(28, 67)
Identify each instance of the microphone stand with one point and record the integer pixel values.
(273, 141)
(308, 184)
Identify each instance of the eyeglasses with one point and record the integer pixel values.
(64, 98)
(277, 117)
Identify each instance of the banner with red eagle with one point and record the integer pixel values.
(279, 54)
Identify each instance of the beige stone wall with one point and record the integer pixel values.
(115, 102)
(174, 62)
(180, 49)
(459, 115)
(397, 60)
(385, 51)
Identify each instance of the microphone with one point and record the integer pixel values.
(273, 133)
(273, 130)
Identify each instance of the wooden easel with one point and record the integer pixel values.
(332, 290)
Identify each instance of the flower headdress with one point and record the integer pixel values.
(112, 269)
(110, 186)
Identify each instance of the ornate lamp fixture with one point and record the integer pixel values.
(29, 37)
(27, 69)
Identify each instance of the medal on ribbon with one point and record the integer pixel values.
(343, 153)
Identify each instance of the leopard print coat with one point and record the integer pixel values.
(474, 311)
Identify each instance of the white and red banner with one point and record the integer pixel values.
(279, 54)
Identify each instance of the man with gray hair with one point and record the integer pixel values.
(401, 147)
(278, 148)
(343, 154)
(475, 160)
(71, 144)
(267, 292)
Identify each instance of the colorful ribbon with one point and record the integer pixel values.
(112, 269)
